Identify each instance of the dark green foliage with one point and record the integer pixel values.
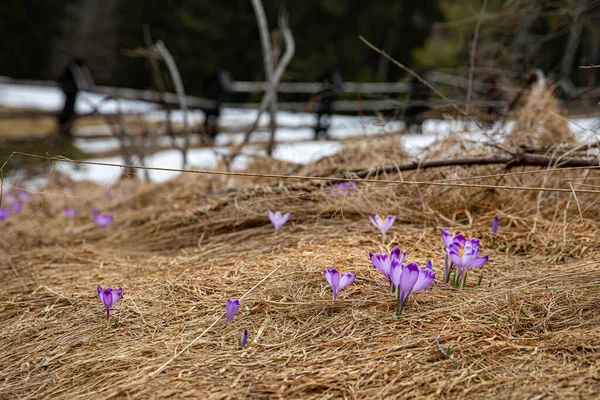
(27, 31)
(204, 34)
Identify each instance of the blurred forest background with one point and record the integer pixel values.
(41, 36)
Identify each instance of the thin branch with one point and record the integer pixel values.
(176, 77)
(268, 60)
(266, 100)
(509, 161)
(287, 56)
(413, 73)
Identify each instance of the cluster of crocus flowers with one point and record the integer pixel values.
(16, 203)
(231, 308)
(409, 279)
(383, 262)
(338, 279)
(404, 280)
(277, 219)
(382, 223)
(344, 188)
(462, 254)
(101, 219)
(109, 297)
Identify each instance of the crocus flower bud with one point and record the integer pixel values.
(231, 308)
(495, 225)
(244, 338)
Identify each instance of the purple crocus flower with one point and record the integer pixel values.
(17, 207)
(382, 223)
(410, 279)
(101, 219)
(69, 212)
(231, 308)
(277, 219)
(344, 188)
(24, 197)
(4, 213)
(383, 262)
(404, 278)
(458, 240)
(466, 257)
(495, 225)
(10, 198)
(244, 338)
(338, 279)
(109, 297)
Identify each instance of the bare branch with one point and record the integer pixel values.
(176, 77)
(272, 85)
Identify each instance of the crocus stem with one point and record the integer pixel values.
(398, 305)
(464, 280)
(446, 268)
(383, 238)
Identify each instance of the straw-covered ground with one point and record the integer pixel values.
(530, 329)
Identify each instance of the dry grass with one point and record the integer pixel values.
(42, 126)
(180, 249)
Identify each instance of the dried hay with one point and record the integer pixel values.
(180, 249)
(541, 121)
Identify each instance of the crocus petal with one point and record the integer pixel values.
(376, 260)
(285, 218)
(375, 221)
(100, 290)
(429, 265)
(472, 243)
(396, 272)
(478, 262)
(347, 279)
(426, 278)
(401, 259)
(107, 298)
(327, 274)
(334, 280)
(455, 258)
(446, 237)
(117, 294)
(387, 224)
(271, 216)
(495, 225)
(395, 252)
(459, 239)
(410, 275)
